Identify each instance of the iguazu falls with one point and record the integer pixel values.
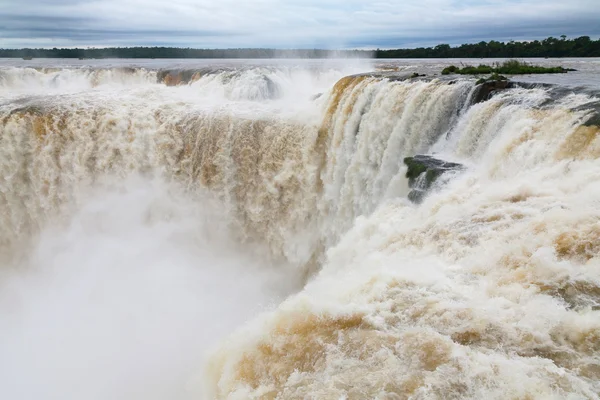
(297, 229)
(299, 200)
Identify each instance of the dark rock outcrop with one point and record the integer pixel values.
(594, 113)
(176, 77)
(423, 171)
(486, 90)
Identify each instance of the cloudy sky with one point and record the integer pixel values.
(289, 23)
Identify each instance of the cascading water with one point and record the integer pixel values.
(145, 222)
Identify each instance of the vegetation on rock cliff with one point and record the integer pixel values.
(495, 77)
(510, 67)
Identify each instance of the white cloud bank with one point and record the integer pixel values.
(288, 23)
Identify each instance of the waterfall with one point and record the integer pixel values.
(489, 288)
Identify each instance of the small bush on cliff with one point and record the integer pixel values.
(495, 77)
(450, 70)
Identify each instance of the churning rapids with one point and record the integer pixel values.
(244, 232)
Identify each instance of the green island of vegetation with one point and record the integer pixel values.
(583, 46)
(510, 67)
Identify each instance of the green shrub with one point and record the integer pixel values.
(450, 70)
(510, 67)
(495, 77)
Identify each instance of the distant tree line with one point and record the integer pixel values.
(582, 46)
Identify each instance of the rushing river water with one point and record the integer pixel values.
(198, 229)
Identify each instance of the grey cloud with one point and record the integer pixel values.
(85, 34)
(75, 28)
(471, 33)
(30, 22)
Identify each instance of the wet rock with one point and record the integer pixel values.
(423, 171)
(175, 77)
(273, 89)
(487, 89)
(593, 110)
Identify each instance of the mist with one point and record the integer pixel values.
(125, 298)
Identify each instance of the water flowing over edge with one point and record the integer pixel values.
(488, 289)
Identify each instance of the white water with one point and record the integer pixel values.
(117, 285)
(226, 81)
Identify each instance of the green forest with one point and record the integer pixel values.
(582, 46)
